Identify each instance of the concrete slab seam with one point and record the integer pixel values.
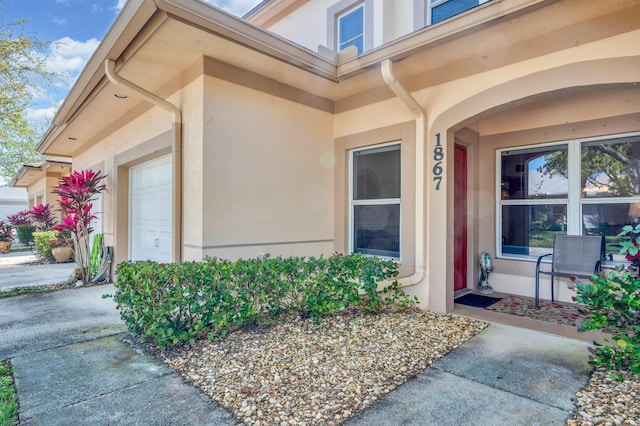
(507, 391)
(67, 344)
(129, 386)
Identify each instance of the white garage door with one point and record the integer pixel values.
(150, 210)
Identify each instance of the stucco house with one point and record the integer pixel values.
(40, 179)
(427, 131)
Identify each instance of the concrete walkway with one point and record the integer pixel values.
(504, 376)
(18, 270)
(75, 364)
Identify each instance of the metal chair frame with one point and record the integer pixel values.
(589, 258)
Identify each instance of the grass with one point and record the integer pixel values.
(8, 396)
(18, 291)
(19, 249)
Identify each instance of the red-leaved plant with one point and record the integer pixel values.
(42, 217)
(76, 192)
(20, 218)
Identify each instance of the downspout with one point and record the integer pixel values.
(386, 68)
(110, 71)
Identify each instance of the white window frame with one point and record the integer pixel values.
(422, 11)
(342, 8)
(382, 201)
(339, 40)
(574, 200)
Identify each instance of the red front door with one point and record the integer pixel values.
(460, 219)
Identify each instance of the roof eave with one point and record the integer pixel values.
(137, 13)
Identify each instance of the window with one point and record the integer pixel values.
(375, 201)
(350, 23)
(581, 187)
(350, 27)
(439, 10)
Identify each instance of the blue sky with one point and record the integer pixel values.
(73, 29)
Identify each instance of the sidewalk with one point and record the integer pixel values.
(504, 376)
(18, 270)
(74, 363)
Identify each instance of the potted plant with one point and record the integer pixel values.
(6, 236)
(61, 249)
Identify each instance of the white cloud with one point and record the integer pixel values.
(118, 7)
(65, 2)
(41, 115)
(236, 7)
(59, 21)
(69, 55)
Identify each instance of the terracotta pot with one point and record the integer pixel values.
(5, 246)
(62, 254)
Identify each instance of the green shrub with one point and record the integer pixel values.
(615, 303)
(175, 303)
(25, 233)
(45, 241)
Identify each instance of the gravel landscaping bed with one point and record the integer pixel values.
(297, 373)
(605, 401)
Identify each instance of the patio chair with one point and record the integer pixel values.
(573, 256)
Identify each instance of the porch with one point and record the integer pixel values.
(519, 311)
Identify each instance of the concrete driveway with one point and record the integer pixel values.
(74, 364)
(21, 270)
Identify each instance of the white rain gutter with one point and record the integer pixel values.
(386, 68)
(110, 71)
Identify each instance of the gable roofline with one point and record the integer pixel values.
(39, 167)
(268, 12)
(130, 26)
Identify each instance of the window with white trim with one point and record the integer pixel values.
(350, 29)
(578, 187)
(439, 10)
(375, 201)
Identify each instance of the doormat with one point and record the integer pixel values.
(477, 300)
(556, 312)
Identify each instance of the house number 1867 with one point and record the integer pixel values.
(438, 156)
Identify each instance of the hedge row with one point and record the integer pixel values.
(175, 303)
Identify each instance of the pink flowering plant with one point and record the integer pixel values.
(42, 217)
(77, 191)
(20, 218)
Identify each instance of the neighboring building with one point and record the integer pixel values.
(12, 200)
(40, 179)
(440, 130)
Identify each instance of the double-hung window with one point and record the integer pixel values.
(578, 187)
(375, 201)
(350, 28)
(439, 10)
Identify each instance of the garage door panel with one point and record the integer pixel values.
(150, 223)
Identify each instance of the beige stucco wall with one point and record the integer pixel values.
(405, 135)
(268, 174)
(40, 192)
(307, 25)
(265, 174)
(149, 135)
(466, 101)
(36, 192)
